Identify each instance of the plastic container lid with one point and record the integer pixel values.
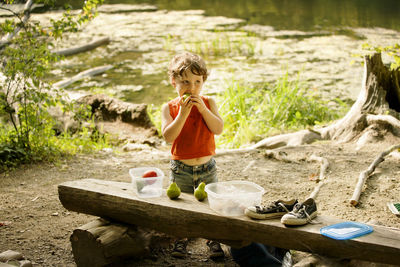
(346, 230)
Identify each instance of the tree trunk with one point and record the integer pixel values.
(380, 95)
(100, 242)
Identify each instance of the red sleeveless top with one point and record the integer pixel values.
(195, 139)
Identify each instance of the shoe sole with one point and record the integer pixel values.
(255, 215)
(297, 221)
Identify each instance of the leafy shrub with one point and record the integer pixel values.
(28, 132)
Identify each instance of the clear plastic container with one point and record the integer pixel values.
(149, 186)
(231, 198)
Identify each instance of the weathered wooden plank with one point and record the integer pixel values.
(187, 217)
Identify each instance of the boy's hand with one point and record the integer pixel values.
(186, 105)
(198, 102)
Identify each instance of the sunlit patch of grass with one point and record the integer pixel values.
(155, 116)
(252, 112)
(46, 146)
(216, 43)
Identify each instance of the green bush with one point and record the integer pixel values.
(27, 130)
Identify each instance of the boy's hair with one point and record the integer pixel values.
(187, 61)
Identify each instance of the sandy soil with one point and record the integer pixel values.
(35, 223)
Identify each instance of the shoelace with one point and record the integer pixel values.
(271, 206)
(303, 209)
(283, 206)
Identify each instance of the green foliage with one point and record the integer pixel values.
(27, 132)
(253, 112)
(155, 116)
(393, 51)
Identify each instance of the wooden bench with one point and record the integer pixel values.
(187, 217)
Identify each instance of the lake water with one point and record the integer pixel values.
(317, 38)
(304, 15)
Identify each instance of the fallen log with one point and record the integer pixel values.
(290, 139)
(82, 75)
(365, 174)
(101, 242)
(187, 217)
(83, 48)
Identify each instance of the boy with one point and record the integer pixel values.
(189, 123)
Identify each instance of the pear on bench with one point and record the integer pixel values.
(173, 191)
(199, 193)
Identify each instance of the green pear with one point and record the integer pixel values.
(199, 193)
(173, 191)
(186, 95)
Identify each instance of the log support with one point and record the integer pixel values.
(101, 242)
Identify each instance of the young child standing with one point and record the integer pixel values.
(190, 123)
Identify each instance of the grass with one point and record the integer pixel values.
(46, 146)
(216, 43)
(253, 112)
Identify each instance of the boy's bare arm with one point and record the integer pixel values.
(171, 128)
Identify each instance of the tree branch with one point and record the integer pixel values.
(365, 174)
(27, 13)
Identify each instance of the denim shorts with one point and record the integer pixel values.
(189, 177)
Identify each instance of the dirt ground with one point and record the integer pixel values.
(34, 222)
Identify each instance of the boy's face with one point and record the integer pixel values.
(189, 83)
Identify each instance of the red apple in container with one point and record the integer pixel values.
(150, 174)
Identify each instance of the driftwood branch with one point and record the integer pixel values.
(322, 174)
(251, 164)
(82, 75)
(84, 48)
(365, 174)
(290, 139)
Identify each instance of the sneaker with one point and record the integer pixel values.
(275, 210)
(301, 214)
(287, 260)
(215, 249)
(179, 250)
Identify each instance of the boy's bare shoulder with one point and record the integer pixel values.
(165, 107)
(210, 99)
